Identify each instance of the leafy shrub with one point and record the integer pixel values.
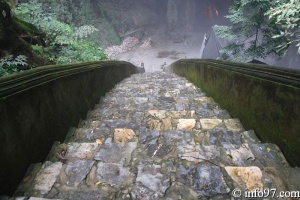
(81, 51)
(65, 43)
(10, 65)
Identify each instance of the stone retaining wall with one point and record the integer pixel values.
(37, 107)
(264, 98)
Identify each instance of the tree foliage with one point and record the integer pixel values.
(10, 65)
(286, 14)
(250, 35)
(64, 43)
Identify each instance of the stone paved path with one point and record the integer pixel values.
(157, 136)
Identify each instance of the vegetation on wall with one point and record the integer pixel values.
(252, 34)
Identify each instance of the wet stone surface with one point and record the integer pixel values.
(157, 136)
(206, 180)
(116, 153)
(76, 171)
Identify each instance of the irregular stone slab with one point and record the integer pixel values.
(210, 106)
(77, 171)
(167, 99)
(233, 125)
(139, 191)
(151, 178)
(180, 191)
(206, 180)
(90, 124)
(241, 156)
(186, 124)
(160, 114)
(221, 137)
(140, 100)
(166, 124)
(172, 92)
(184, 100)
(159, 150)
(190, 85)
(199, 153)
(205, 99)
(204, 113)
(246, 178)
(181, 114)
(154, 125)
(108, 140)
(223, 114)
(149, 138)
(84, 134)
(127, 123)
(285, 178)
(177, 137)
(81, 150)
(116, 153)
(250, 137)
(201, 137)
(268, 155)
(179, 106)
(47, 176)
(112, 173)
(210, 123)
(123, 135)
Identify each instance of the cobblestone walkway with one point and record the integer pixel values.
(157, 136)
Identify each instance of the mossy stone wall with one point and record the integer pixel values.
(265, 98)
(37, 107)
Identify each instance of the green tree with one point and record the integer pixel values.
(250, 35)
(286, 14)
(65, 43)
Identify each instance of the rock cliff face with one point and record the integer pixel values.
(177, 15)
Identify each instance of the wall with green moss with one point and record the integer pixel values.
(265, 98)
(38, 106)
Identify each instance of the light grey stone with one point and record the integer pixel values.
(233, 125)
(77, 171)
(112, 173)
(250, 137)
(198, 153)
(240, 156)
(81, 150)
(268, 155)
(151, 178)
(177, 137)
(108, 140)
(210, 123)
(116, 152)
(47, 176)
